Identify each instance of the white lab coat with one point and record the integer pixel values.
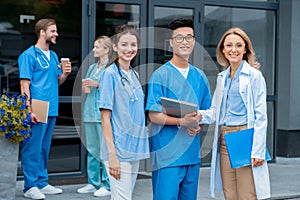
(253, 91)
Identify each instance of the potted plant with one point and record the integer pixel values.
(15, 127)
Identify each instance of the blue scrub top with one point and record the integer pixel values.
(126, 101)
(91, 112)
(43, 75)
(235, 111)
(169, 145)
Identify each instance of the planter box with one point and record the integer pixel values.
(9, 153)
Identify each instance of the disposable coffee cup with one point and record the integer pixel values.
(86, 89)
(63, 62)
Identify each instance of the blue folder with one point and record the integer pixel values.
(239, 146)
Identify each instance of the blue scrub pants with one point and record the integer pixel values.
(176, 183)
(35, 155)
(93, 134)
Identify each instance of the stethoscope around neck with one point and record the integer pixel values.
(125, 79)
(44, 59)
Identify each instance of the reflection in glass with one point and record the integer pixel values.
(17, 20)
(110, 15)
(162, 17)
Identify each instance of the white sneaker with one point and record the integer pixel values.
(34, 193)
(102, 192)
(49, 189)
(89, 188)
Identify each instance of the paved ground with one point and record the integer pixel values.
(284, 175)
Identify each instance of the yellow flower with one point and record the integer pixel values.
(15, 119)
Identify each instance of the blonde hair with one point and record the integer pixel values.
(107, 44)
(249, 56)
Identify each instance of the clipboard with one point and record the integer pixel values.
(239, 146)
(178, 108)
(40, 109)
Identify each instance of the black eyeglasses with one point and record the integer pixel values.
(179, 38)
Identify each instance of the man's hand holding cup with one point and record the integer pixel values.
(66, 65)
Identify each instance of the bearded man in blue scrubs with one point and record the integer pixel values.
(40, 76)
(175, 144)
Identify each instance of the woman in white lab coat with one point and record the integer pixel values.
(239, 102)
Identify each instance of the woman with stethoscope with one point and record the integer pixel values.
(122, 113)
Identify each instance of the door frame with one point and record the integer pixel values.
(88, 37)
(89, 21)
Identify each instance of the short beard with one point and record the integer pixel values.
(48, 41)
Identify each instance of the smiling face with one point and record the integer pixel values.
(50, 34)
(184, 48)
(234, 49)
(126, 48)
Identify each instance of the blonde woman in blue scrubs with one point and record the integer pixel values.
(122, 114)
(239, 102)
(98, 183)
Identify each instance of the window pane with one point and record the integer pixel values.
(17, 20)
(258, 24)
(162, 17)
(110, 15)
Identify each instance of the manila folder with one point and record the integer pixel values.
(40, 109)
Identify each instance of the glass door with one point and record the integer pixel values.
(260, 25)
(111, 14)
(151, 18)
(161, 13)
(17, 20)
(101, 18)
